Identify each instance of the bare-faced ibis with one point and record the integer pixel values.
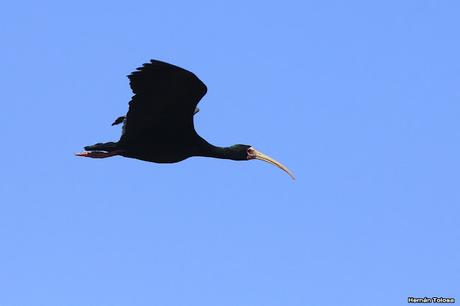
(159, 124)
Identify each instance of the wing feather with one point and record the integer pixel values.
(164, 101)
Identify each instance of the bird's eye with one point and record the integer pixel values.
(250, 151)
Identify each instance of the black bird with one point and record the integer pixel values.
(159, 124)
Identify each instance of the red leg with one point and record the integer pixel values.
(98, 154)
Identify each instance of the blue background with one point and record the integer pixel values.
(360, 99)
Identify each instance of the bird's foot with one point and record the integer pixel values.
(97, 154)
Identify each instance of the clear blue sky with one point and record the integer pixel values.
(360, 99)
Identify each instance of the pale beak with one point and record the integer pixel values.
(254, 154)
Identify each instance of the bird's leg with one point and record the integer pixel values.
(98, 154)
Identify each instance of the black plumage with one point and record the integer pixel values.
(159, 124)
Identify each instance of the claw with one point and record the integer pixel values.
(83, 154)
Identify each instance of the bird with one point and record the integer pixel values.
(158, 126)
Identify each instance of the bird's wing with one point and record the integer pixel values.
(164, 101)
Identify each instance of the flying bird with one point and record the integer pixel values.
(159, 124)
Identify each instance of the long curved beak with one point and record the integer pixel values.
(254, 154)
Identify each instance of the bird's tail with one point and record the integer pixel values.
(108, 147)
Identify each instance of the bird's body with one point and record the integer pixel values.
(159, 124)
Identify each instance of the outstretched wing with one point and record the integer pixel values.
(164, 101)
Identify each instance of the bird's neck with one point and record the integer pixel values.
(209, 150)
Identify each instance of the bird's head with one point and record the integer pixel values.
(247, 152)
